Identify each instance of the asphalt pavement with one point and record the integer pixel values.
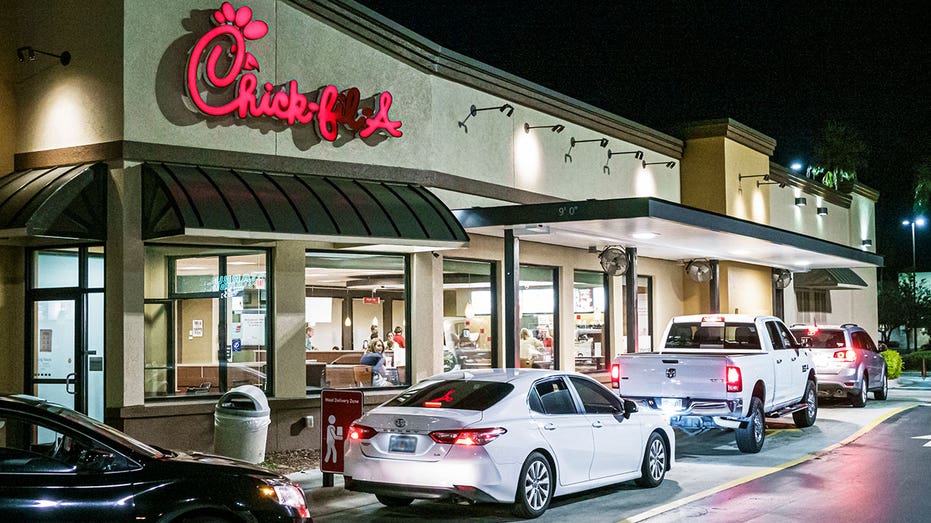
(706, 465)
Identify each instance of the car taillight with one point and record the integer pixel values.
(846, 355)
(615, 375)
(358, 432)
(733, 379)
(467, 437)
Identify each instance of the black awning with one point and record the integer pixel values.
(829, 279)
(59, 202)
(208, 201)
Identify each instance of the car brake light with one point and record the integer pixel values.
(733, 379)
(358, 432)
(813, 330)
(467, 437)
(615, 375)
(712, 319)
(846, 355)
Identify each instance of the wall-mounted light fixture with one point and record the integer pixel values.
(637, 154)
(507, 109)
(822, 211)
(28, 54)
(801, 201)
(602, 142)
(558, 128)
(866, 244)
(669, 165)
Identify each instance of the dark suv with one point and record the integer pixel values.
(847, 362)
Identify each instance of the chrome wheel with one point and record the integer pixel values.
(657, 459)
(812, 408)
(537, 485)
(758, 427)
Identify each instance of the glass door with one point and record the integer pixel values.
(53, 349)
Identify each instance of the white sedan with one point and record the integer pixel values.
(519, 436)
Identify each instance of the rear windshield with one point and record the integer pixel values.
(713, 336)
(822, 338)
(453, 394)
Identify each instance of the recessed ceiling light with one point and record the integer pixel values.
(644, 235)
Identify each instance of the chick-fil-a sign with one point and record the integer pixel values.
(331, 109)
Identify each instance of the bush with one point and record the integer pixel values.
(893, 363)
(912, 361)
(893, 344)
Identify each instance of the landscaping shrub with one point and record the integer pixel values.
(894, 363)
(912, 361)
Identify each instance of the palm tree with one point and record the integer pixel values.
(839, 152)
(923, 187)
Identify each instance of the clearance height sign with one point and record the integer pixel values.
(338, 409)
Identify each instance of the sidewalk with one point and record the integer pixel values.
(313, 479)
(911, 380)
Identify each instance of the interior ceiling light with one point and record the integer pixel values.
(603, 142)
(507, 109)
(644, 235)
(637, 154)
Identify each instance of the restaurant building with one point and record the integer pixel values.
(203, 195)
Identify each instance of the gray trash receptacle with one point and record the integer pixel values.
(241, 424)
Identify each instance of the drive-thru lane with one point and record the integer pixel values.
(707, 464)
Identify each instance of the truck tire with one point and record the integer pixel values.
(806, 417)
(653, 469)
(858, 399)
(750, 438)
(883, 392)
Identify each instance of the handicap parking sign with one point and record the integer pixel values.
(237, 345)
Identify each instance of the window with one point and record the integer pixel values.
(595, 399)
(206, 318)
(590, 307)
(355, 308)
(538, 301)
(469, 316)
(552, 397)
(814, 305)
(453, 394)
(695, 335)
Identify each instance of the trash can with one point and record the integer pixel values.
(241, 424)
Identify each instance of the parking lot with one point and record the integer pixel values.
(706, 464)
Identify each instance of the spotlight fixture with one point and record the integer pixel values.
(506, 108)
(822, 211)
(866, 244)
(602, 142)
(801, 201)
(558, 128)
(669, 165)
(637, 154)
(28, 54)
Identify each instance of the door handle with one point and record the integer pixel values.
(597, 424)
(69, 383)
(550, 426)
(778, 361)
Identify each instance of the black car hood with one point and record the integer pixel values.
(199, 461)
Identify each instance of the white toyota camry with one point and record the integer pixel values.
(519, 436)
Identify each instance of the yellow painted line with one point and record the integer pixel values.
(746, 479)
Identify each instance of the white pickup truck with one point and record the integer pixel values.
(723, 371)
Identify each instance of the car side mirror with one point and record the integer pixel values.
(629, 408)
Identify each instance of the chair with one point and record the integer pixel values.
(362, 375)
(743, 335)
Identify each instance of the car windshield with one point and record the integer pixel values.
(822, 338)
(105, 430)
(453, 394)
(698, 335)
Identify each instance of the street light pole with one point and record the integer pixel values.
(919, 221)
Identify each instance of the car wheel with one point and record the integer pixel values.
(535, 489)
(750, 438)
(655, 458)
(859, 399)
(392, 501)
(883, 392)
(806, 417)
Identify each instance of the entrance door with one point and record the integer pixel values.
(65, 337)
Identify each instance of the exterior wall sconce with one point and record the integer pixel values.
(801, 201)
(637, 154)
(28, 54)
(602, 142)
(506, 108)
(866, 244)
(558, 128)
(822, 211)
(669, 165)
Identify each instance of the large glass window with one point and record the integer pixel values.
(206, 319)
(469, 316)
(356, 320)
(538, 309)
(590, 308)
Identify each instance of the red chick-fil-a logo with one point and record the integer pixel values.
(284, 102)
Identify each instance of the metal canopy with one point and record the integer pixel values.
(68, 202)
(663, 230)
(829, 279)
(206, 201)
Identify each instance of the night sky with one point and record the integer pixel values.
(782, 68)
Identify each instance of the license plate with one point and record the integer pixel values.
(402, 444)
(671, 404)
